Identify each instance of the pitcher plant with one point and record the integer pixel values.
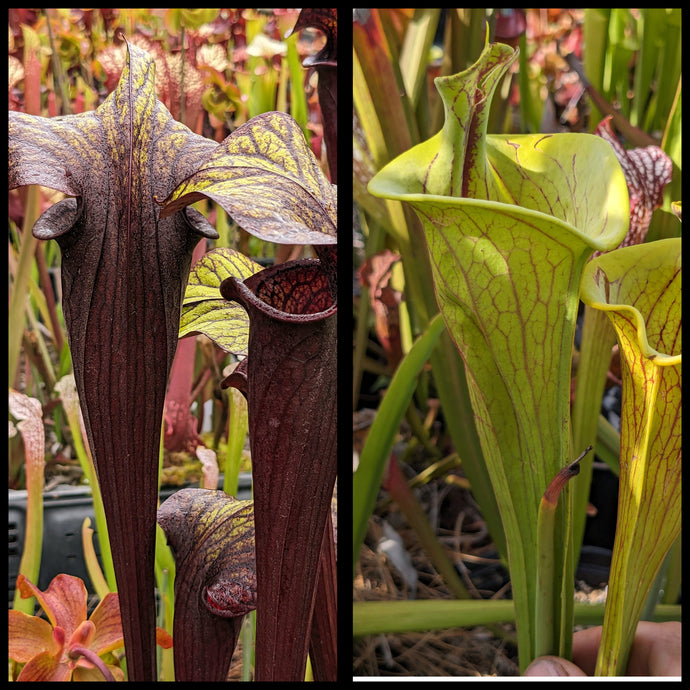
(639, 288)
(510, 222)
(123, 273)
(126, 234)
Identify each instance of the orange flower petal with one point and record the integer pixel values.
(64, 601)
(59, 636)
(45, 667)
(84, 634)
(28, 636)
(106, 618)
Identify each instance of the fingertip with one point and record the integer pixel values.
(552, 666)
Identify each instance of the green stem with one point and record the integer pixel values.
(598, 338)
(440, 468)
(248, 627)
(451, 383)
(420, 433)
(30, 425)
(238, 424)
(49, 294)
(673, 584)
(608, 445)
(71, 406)
(165, 580)
(546, 622)
(93, 567)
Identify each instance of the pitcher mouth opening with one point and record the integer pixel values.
(296, 291)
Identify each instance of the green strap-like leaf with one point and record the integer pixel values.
(391, 617)
(266, 177)
(205, 311)
(367, 479)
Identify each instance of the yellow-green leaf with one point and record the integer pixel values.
(205, 311)
(510, 222)
(266, 177)
(639, 287)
